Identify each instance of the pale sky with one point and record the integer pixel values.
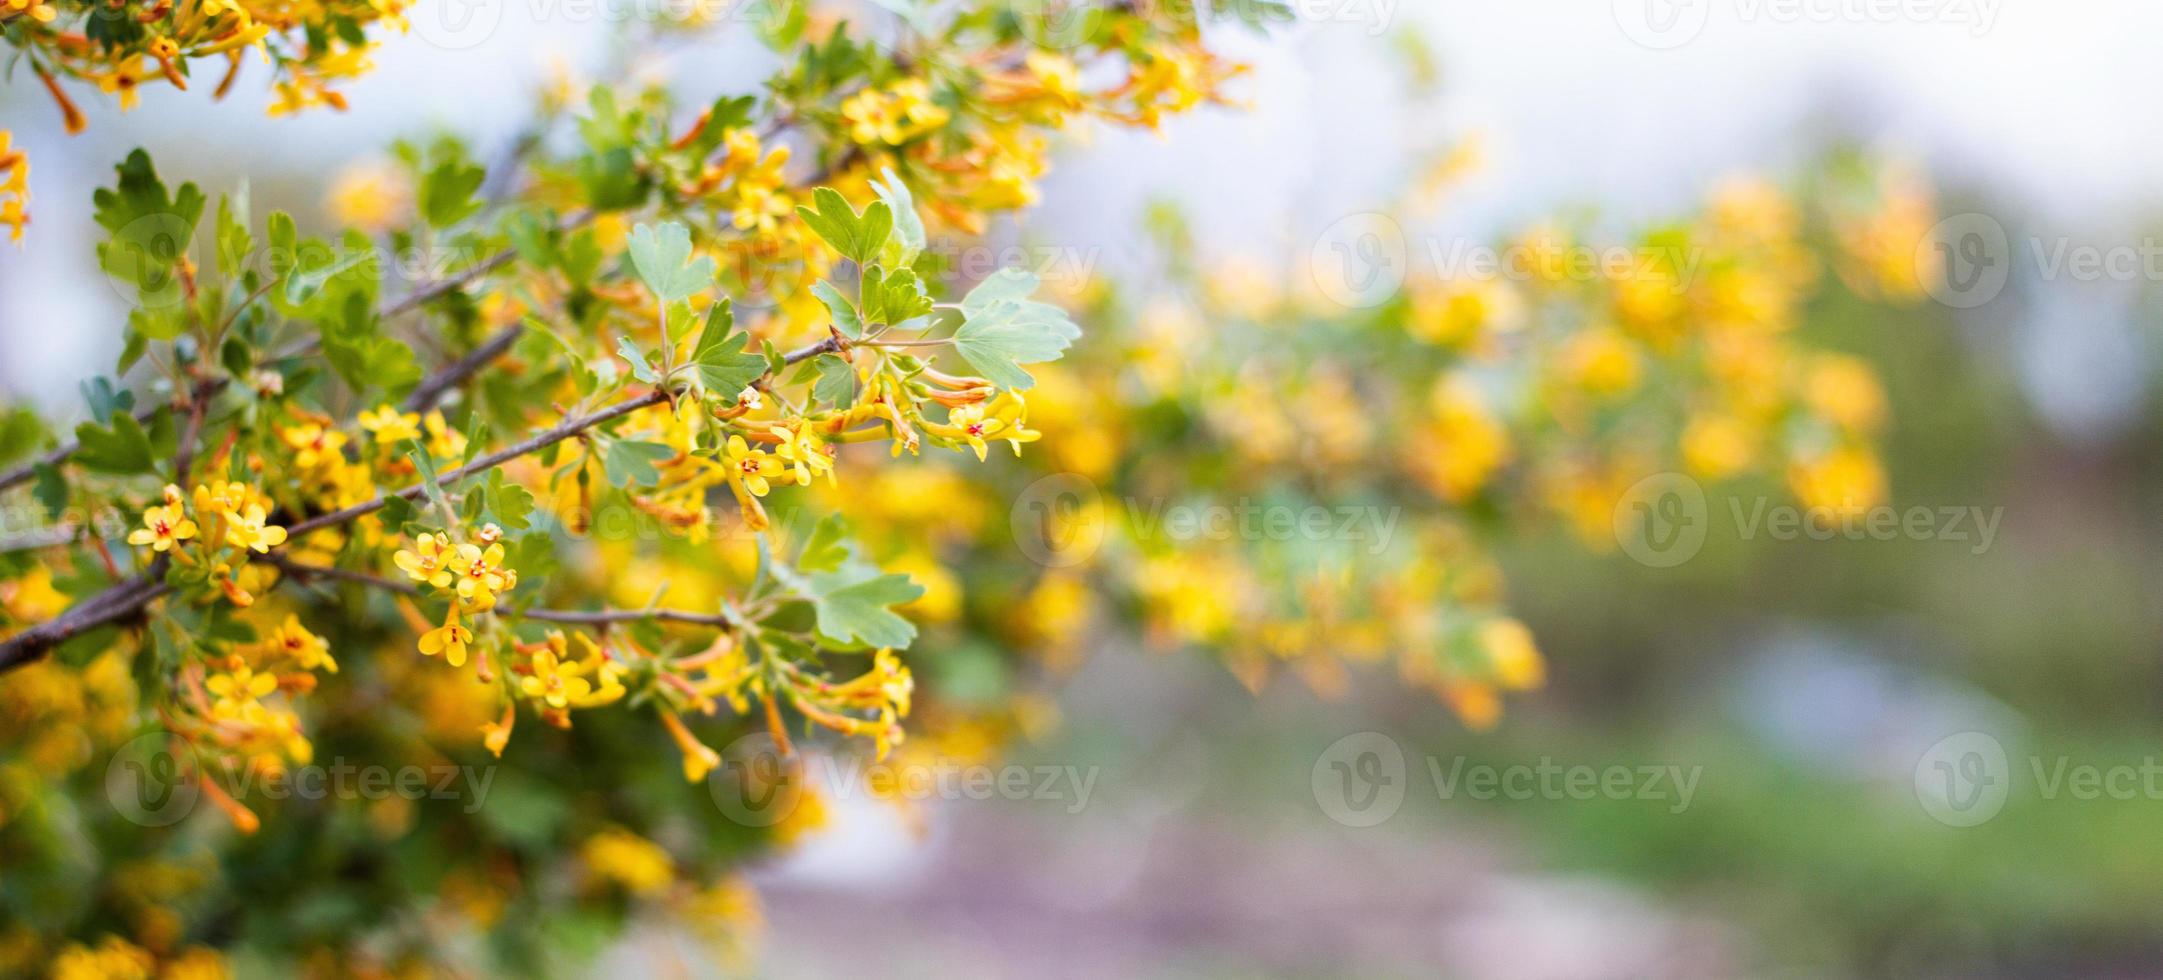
(2041, 106)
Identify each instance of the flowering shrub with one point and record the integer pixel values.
(584, 500)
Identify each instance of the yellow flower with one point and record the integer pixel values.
(114, 959)
(14, 184)
(449, 639)
(1845, 391)
(41, 11)
(389, 426)
(1716, 447)
(482, 574)
(247, 531)
(635, 863)
(1512, 654)
(1844, 480)
(369, 195)
(550, 683)
(1600, 361)
(430, 561)
(162, 528)
(235, 690)
(444, 443)
(902, 112)
(497, 734)
(126, 82)
(698, 759)
(310, 651)
(314, 445)
(750, 470)
(804, 452)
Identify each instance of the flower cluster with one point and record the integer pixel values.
(120, 48)
(229, 523)
(14, 188)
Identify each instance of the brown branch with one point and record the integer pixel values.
(435, 386)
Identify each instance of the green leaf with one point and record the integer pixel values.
(431, 486)
(846, 319)
(837, 382)
(663, 259)
(104, 400)
(630, 462)
(640, 368)
(895, 297)
(448, 192)
(859, 613)
(141, 194)
(856, 236)
(124, 448)
(725, 368)
(1004, 328)
(151, 230)
(20, 433)
(827, 547)
(51, 489)
(506, 503)
(235, 242)
(909, 240)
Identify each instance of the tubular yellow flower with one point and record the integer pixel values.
(698, 760)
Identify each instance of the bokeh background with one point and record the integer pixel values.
(1804, 683)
